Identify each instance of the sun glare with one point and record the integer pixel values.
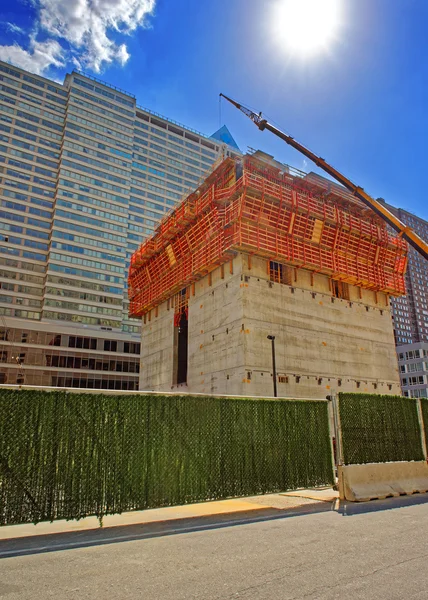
(306, 27)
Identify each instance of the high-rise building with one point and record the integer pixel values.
(85, 175)
(410, 312)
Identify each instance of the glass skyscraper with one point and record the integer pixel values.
(85, 176)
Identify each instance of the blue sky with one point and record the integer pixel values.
(362, 105)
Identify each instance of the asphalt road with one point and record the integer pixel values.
(377, 550)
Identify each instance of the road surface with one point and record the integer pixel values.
(377, 550)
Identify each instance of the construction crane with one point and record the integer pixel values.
(406, 232)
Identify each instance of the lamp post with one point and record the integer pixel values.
(272, 339)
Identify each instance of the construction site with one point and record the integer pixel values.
(260, 250)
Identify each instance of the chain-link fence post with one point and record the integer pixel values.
(332, 432)
(422, 428)
(339, 445)
(337, 429)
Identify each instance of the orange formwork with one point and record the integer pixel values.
(251, 206)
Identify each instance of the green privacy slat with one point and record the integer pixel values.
(379, 428)
(70, 455)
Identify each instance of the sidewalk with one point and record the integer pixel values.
(280, 501)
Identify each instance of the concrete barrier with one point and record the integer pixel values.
(360, 483)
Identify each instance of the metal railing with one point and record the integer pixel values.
(110, 85)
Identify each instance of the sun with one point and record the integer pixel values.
(306, 27)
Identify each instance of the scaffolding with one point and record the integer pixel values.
(250, 206)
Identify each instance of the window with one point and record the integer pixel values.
(280, 273)
(131, 348)
(110, 345)
(340, 289)
(181, 347)
(82, 342)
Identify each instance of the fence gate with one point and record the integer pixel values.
(381, 445)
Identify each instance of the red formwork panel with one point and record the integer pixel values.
(263, 211)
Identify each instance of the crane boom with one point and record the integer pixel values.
(406, 232)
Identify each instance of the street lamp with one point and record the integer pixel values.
(272, 339)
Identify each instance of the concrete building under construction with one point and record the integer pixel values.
(260, 250)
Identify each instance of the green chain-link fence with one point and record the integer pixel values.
(379, 428)
(72, 455)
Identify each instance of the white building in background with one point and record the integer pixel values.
(85, 175)
(413, 366)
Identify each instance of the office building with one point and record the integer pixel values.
(410, 312)
(413, 366)
(410, 316)
(85, 175)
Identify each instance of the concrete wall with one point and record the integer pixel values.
(216, 336)
(323, 344)
(216, 348)
(157, 350)
(324, 341)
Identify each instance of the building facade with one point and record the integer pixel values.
(413, 366)
(85, 175)
(410, 312)
(324, 343)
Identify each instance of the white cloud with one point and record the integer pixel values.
(122, 54)
(86, 27)
(14, 28)
(39, 57)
